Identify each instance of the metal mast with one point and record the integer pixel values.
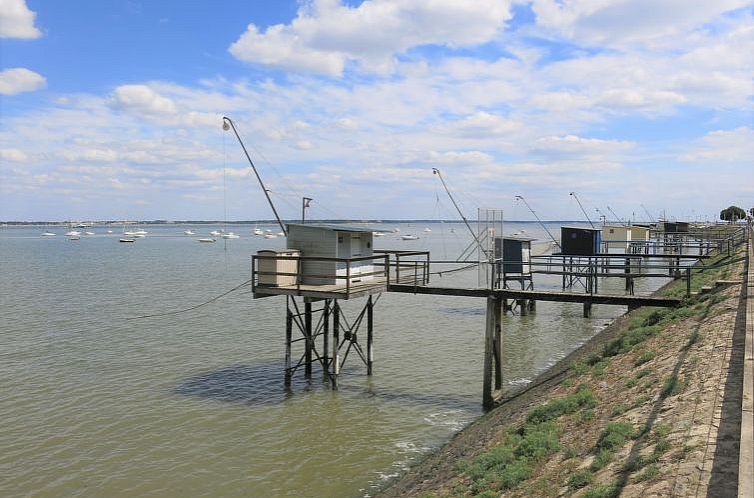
(649, 216)
(618, 218)
(436, 171)
(582, 208)
(537, 217)
(228, 124)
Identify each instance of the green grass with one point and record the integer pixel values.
(628, 339)
(672, 386)
(514, 461)
(611, 490)
(580, 479)
(650, 472)
(601, 460)
(570, 452)
(645, 357)
(615, 435)
(581, 398)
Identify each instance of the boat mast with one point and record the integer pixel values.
(227, 124)
(582, 208)
(521, 197)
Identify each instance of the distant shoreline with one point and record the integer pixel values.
(250, 222)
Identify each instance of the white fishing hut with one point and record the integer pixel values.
(321, 240)
(616, 237)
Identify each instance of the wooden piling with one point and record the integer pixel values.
(492, 354)
(335, 344)
(308, 346)
(587, 310)
(370, 334)
(288, 339)
(326, 338)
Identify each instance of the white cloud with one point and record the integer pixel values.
(326, 34)
(141, 99)
(570, 146)
(718, 146)
(14, 155)
(20, 80)
(17, 21)
(611, 22)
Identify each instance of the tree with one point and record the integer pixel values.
(732, 213)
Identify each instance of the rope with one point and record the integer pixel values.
(193, 307)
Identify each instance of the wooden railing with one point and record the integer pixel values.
(409, 267)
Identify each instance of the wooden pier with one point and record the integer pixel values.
(329, 336)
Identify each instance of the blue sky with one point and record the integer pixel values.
(112, 109)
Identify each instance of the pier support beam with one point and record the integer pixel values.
(335, 344)
(370, 334)
(309, 340)
(492, 351)
(587, 310)
(288, 339)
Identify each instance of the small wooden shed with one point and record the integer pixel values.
(580, 241)
(515, 253)
(332, 241)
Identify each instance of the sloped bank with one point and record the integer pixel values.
(648, 407)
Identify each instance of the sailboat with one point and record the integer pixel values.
(230, 235)
(258, 231)
(188, 232)
(48, 234)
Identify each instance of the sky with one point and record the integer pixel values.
(112, 109)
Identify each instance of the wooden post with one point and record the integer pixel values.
(627, 270)
(308, 339)
(497, 342)
(370, 334)
(326, 338)
(335, 344)
(587, 310)
(688, 282)
(288, 338)
(489, 334)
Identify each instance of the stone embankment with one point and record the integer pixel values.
(652, 406)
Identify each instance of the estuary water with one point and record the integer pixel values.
(95, 403)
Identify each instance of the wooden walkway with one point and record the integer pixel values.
(535, 295)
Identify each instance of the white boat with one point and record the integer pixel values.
(88, 233)
(188, 232)
(281, 234)
(409, 237)
(139, 235)
(215, 233)
(206, 239)
(109, 231)
(129, 233)
(48, 234)
(427, 230)
(73, 233)
(231, 235)
(270, 236)
(127, 240)
(258, 231)
(74, 237)
(378, 234)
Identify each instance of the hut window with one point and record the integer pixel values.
(340, 240)
(612, 230)
(369, 245)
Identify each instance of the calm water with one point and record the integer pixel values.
(193, 404)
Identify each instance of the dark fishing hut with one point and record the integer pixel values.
(580, 241)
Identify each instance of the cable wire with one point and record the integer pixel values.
(167, 313)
